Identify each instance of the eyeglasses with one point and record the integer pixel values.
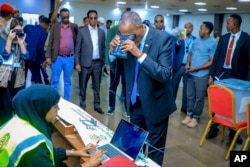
(158, 21)
(93, 18)
(64, 18)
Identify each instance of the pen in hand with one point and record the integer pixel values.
(97, 143)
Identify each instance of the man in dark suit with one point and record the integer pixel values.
(60, 51)
(148, 79)
(182, 48)
(89, 59)
(238, 65)
(36, 37)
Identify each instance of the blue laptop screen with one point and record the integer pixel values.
(129, 138)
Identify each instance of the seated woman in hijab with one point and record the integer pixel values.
(25, 140)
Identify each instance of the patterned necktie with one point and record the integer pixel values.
(229, 51)
(134, 90)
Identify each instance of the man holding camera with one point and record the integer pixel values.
(148, 79)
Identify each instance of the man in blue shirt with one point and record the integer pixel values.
(199, 60)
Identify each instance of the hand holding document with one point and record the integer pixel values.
(183, 31)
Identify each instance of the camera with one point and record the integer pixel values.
(117, 50)
(18, 32)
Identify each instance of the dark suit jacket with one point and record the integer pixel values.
(54, 39)
(154, 77)
(179, 54)
(35, 39)
(84, 47)
(240, 61)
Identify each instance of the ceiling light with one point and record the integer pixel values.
(202, 10)
(243, 0)
(121, 2)
(200, 3)
(183, 10)
(155, 7)
(231, 8)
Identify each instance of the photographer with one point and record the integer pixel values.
(147, 68)
(12, 69)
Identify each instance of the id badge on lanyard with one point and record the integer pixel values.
(16, 62)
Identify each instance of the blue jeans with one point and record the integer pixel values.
(66, 64)
(176, 78)
(196, 92)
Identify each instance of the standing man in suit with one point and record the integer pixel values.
(148, 79)
(231, 65)
(89, 59)
(182, 48)
(60, 51)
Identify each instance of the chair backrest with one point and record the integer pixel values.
(221, 101)
(248, 119)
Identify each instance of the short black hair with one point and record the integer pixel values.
(5, 14)
(44, 20)
(158, 16)
(237, 19)
(85, 18)
(91, 11)
(208, 25)
(147, 22)
(40, 17)
(64, 10)
(109, 21)
(20, 19)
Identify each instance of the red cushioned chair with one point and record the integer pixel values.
(221, 105)
(247, 143)
(119, 161)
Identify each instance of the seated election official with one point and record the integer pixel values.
(26, 137)
(147, 68)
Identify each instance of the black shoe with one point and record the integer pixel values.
(99, 110)
(213, 132)
(46, 81)
(110, 112)
(231, 136)
(184, 110)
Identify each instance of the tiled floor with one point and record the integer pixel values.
(182, 142)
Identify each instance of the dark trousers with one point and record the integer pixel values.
(95, 71)
(115, 78)
(35, 71)
(157, 132)
(176, 78)
(5, 105)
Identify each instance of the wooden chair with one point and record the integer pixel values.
(221, 106)
(247, 143)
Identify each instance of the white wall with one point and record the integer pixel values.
(196, 20)
(31, 6)
(79, 10)
(245, 25)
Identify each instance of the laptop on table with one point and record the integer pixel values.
(128, 140)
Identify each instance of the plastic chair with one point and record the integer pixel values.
(247, 143)
(221, 105)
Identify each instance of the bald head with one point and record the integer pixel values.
(132, 18)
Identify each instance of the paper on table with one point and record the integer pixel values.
(89, 129)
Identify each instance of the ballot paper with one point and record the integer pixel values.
(89, 129)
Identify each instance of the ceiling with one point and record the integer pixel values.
(173, 6)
